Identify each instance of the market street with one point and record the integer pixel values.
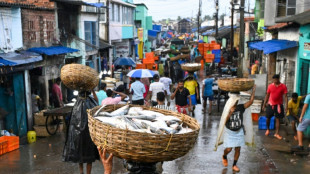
(268, 156)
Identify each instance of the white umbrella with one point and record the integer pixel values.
(141, 73)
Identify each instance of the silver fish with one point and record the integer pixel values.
(151, 113)
(142, 117)
(121, 111)
(134, 110)
(99, 110)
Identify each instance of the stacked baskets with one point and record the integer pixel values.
(142, 147)
(235, 84)
(79, 77)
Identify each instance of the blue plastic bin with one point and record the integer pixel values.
(217, 60)
(216, 52)
(262, 125)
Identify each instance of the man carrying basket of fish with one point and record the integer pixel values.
(236, 127)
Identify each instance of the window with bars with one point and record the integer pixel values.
(286, 8)
(90, 34)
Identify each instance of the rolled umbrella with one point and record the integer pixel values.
(141, 73)
(124, 61)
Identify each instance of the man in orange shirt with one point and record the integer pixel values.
(274, 98)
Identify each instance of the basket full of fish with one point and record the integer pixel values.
(142, 134)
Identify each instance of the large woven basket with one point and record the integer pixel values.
(191, 67)
(142, 147)
(79, 77)
(235, 84)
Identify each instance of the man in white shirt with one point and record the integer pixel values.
(137, 89)
(168, 84)
(155, 87)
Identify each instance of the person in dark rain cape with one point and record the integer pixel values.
(79, 148)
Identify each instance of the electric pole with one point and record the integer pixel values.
(241, 44)
(216, 18)
(198, 18)
(232, 31)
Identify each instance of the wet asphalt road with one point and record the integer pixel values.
(268, 156)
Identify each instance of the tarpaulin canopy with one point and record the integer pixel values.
(13, 59)
(272, 46)
(55, 50)
(152, 33)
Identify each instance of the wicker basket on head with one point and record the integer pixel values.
(142, 147)
(185, 56)
(191, 67)
(235, 84)
(79, 77)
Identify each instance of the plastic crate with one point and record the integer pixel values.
(3, 147)
(13, 143)
(209, 56)
(140, 66)
(216, 47)
(216, 51)
(217, 60)
(262, 125)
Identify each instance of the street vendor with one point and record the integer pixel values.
(234, 131)
(79, 147)
(181, 96)
(192, 86)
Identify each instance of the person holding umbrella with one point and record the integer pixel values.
(137, 88)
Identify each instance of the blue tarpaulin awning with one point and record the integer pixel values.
(152, 33)
(55, 50)
(271, 46)
(24, 57)
(82, 2)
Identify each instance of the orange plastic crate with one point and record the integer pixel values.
(3, 147)
(140, 66)
(201, 48)
(209, 60)
(213, 42)
(255, 117)
(156, 58)
(148, 61)
(217, 47)
(149, 55)
(13, 142)
(202, 64)
(209, 56)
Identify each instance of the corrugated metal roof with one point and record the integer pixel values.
(55, 50)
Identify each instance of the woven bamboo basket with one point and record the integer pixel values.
(41, 131)
(142, 147)
(191, 67)
(175, 52)
(235, 84)
(79, 77)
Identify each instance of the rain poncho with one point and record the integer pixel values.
(247, 121)
(79, 148)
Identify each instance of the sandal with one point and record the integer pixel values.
(278, 136)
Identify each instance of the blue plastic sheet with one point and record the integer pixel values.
(272, 46)
(55, 50)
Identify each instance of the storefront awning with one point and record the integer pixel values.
(24, 57)
(55, 50)
(272, 46)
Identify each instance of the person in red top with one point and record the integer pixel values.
(274, 98)
(56, 94)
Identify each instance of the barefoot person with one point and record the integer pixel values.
(274, 98)
(207, 92)
(234, 131)
(304, 123)
(181, 96)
